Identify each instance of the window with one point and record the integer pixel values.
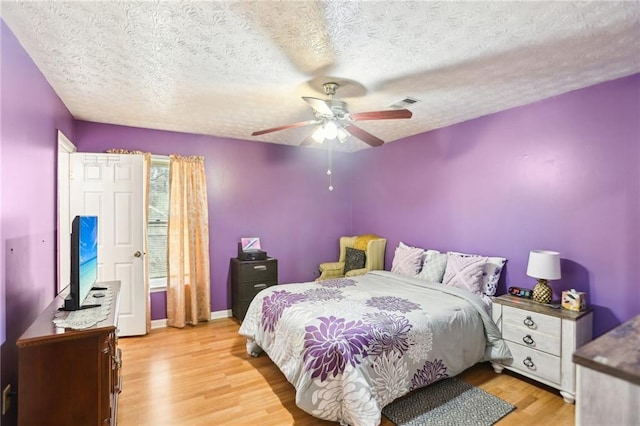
(158, 219)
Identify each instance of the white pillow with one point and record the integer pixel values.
(434, 266)
(407, 260)
(491, 273)
(465, 272)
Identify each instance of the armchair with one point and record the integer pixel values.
(372, 245)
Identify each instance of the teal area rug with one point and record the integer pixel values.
(448, 402)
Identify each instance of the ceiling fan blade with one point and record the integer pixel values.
(307, 141)
(382, 115)
(365, 137)
(318, 105)
(288, 126)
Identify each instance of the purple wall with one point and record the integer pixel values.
(278, 193)
(31, 114)
(561, 174)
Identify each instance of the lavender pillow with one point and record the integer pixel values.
(491, 274)
(424, 252)
(465, 272)
(407, 261)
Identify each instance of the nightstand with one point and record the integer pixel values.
(248, 277)
(542, 340)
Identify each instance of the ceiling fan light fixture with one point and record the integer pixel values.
(343, 135)
(330, 130)
(318, 134)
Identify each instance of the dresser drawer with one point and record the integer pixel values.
(533, 339)
(247, 291)
(531, 321)
(266, 270)
(536, 363)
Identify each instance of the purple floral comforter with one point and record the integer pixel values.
(350, 346)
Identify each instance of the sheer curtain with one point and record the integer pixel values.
(188, 282)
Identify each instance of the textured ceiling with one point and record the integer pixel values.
(228, 68)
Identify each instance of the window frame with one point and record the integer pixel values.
(160, 283)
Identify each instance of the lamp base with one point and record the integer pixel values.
(542, 293)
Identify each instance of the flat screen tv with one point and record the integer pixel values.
(84, 262)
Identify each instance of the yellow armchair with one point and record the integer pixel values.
(372, 245)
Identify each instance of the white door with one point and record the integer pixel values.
(111, 186)
(65, 147)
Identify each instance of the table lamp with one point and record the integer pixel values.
(543, 265)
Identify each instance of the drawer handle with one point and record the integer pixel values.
(528, 340)
(530, 365)
(256, 286)
(260, 267)
(529, 322)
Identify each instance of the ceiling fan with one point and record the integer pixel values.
(335, 121)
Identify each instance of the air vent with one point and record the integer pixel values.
(406, 102)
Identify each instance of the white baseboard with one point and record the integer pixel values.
(161, 323)
(221, 314)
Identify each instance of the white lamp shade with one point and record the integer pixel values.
(544, 264)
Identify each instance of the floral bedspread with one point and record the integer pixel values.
(350, 346)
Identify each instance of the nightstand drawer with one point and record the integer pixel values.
(249, 290)
(530, 320)
(266, 270)
(534, 362)
(531, 338)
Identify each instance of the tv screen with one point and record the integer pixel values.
(84, 261)
(88, 251)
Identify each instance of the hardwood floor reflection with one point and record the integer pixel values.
(203, 376)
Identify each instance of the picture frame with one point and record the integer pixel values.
(250, 243)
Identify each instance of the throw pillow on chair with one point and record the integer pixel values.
(354, 259)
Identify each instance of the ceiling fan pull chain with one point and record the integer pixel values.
(329, 173)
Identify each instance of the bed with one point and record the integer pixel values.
(350, 346)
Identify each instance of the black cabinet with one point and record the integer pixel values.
(247, 279)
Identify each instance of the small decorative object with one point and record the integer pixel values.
(543, 265)
(250, 243)
(574, 300)
(520, 292)
(249, 249)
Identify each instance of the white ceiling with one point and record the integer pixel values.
(228, 68)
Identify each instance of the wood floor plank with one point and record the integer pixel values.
(203, 376)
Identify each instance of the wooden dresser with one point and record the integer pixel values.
(70, 377)
(609, 377)
(542, 340)
(248, 277)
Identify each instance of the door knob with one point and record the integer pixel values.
(137, 254)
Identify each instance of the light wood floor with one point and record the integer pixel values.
(202, 375)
